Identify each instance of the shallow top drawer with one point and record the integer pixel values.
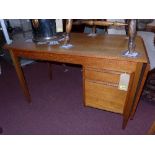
(102, 75)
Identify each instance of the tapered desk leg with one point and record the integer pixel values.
(20, 76)
(140, 91)
(151, 131)
(128, 104)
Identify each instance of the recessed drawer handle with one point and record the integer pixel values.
(104, 83)
(104, 71)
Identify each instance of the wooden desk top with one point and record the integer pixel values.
(101, 46)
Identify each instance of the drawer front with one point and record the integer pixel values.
(102, 75)
(104, 97)
(108, 64)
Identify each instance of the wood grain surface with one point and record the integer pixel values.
(102, 62)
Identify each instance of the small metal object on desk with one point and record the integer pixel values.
(92, 35)
(53, 41)
(67, 46)
(57, 40)
(130, 54)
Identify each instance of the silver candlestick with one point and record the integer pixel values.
(67, 44)
(131, 44)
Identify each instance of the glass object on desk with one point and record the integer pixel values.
(131, 43)
(43, 29)
(67, 44)
(47, 31)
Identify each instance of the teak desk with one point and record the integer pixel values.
(102, 62)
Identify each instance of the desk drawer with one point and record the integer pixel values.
(102, 75)
(106, 97)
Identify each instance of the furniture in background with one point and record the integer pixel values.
(149, 40)
(14, 29)
(142, 24)
(103, 66)
(116, 30)
(151, 28)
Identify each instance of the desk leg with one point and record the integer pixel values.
(128, 104)
(140, 91)
(152, 129)
(20, 76)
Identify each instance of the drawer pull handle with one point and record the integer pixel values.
(104, 83)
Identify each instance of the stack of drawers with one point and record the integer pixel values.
(101, 90)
